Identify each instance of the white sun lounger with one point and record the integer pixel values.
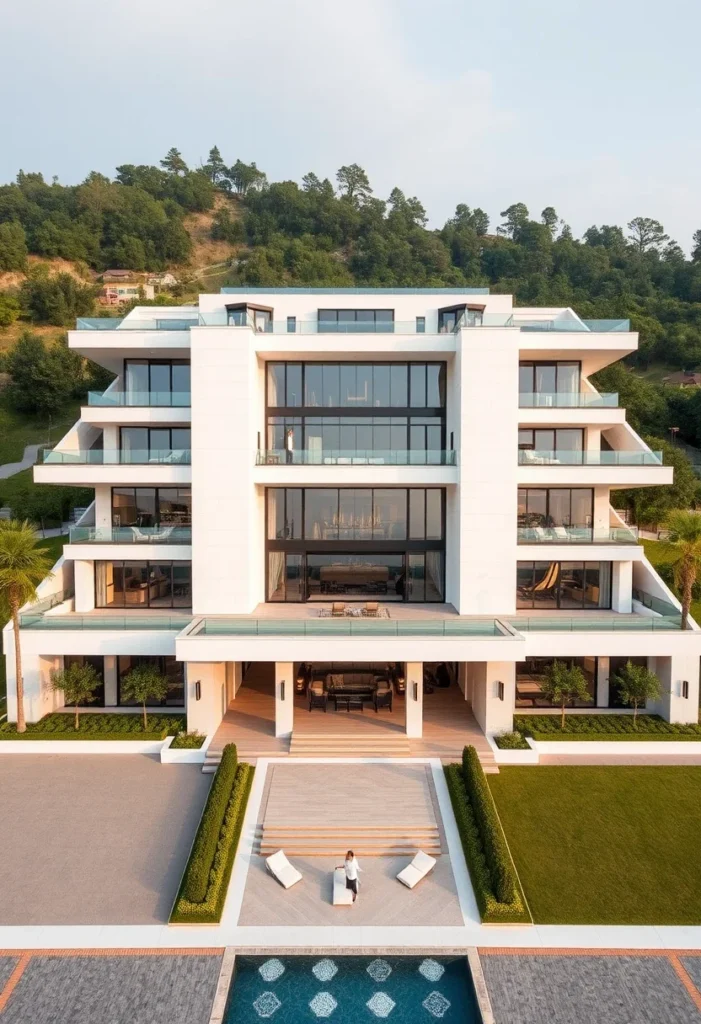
(342, 897)
(418, 869)
(280, 868)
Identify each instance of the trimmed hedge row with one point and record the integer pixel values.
(209, 909)
(60, 726)
(492, 911)
(511, 741)
(547, 727)
(188, 741)
(199, 865)
(496, 852)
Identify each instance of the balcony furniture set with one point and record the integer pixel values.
(349, 690)
(371, 610)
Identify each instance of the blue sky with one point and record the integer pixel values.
(591, 106)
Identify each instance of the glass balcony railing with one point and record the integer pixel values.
(137, 621)
(130, 535)
(655, 604)
(350, 627)
(577, 535)
(118, 399)
(578, 400)
(561, 457)
(98, 323)
(355, 457)
(594, 624)
(571, 326)
(116, 457)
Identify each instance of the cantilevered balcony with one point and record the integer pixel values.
(86, 467)
(636, 467)
(571, 400)
(577, 535)
(130, 535)
(355, 457)
(139, 399)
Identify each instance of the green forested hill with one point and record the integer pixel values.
(323, 233)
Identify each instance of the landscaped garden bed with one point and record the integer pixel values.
(603, 727)
(494, 881)
(188, 741)
(204, 885)
(604, 844)
(61, 726)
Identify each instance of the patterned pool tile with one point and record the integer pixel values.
(381, 1004)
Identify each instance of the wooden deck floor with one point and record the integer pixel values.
(250, 723)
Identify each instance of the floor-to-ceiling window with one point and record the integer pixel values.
(567, 586)
(157, 382)
(151, 506)
(355, 542)
(555, 506)
(340, 412)
(531, 673)
(133, 584)
(96, 662)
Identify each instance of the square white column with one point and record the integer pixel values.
(493, 695)
(110, 670)
(284, 699)
(677, 676)
(602, 683)
(622, 587)
(414, 698)
(84, 577)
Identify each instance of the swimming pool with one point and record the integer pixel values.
(352, 989)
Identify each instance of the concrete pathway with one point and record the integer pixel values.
(28, 460)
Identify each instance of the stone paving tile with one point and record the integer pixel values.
(529, 989)
(95, 839)
(692, 965)
(115, 990)
(7, 966)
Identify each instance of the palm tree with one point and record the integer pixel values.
(684, 543)
(23, 566)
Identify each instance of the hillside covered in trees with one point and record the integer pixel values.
(324, 233)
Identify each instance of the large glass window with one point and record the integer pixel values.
(355, 321)
(572, 586)
(356, 385)
(555, 506)
(140, 444)
(355, 523)
(549, 378)
(549, 440)
(174, 672)
(616, 665)
(356, 575)
(531, 673)
(163, 382)
(151, 506)
(143, 584)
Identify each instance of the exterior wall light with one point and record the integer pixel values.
(685, 689)
(198, 690)
(416, 691)
(282, 689)
(500, 689)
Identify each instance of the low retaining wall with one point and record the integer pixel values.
(613, 747)
(514, 756)
(86, 746)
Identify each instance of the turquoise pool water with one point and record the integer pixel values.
(352, 990)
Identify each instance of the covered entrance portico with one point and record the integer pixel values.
(269, 716)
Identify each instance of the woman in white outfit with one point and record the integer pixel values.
(352, 868)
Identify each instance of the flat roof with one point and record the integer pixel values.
(354, 291)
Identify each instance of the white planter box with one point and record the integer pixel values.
(613, 748)
(514, 756)
(169, 756)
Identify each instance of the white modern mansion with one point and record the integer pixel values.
(402, 486)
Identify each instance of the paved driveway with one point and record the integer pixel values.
(94, 839)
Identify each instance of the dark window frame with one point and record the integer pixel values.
(156, 501)
(163, 661)
(304, 546)
(547, 490)
(557, 363)
(585, 564)
(171, 562)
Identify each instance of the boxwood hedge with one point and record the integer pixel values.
(496, 887)
(208, 909)
(604, 727)
(96, 726)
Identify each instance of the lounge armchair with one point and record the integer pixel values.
(383, 695)
(338, 608)
(371, 609)
(280, 868)
(318, 697)
(418, 869)
(342, 897)
(560, 533)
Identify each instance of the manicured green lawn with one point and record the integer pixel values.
(604, 845)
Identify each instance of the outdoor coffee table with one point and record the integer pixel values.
(348, 703)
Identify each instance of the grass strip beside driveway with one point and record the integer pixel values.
(602, 844)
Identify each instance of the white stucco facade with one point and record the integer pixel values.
(187, 519)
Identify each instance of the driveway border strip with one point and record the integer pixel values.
(14, 978)
(686, 981)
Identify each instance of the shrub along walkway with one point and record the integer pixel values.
(605, 845)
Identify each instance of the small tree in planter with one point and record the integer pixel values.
(564, 684)
(637, 685)
(143, 684)
(78, 683)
